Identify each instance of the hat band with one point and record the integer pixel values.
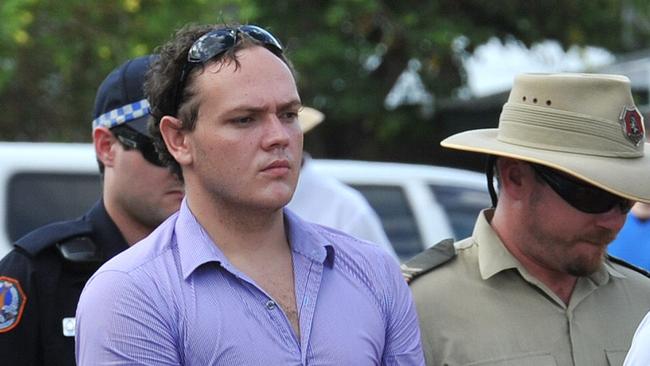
(122, 114)
(556, 130)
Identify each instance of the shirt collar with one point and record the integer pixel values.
(494, 257)
(196, 248)
(306, 240)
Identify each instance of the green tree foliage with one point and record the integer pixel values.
(348, 54)
(58, 52)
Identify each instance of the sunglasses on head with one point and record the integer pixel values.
(581, 195)
(133, 140)
(215, 43)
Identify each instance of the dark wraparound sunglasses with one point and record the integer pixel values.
(133, 140)
(581, 195)
(215, 43)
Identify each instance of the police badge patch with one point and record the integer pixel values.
(632, 123)
(12, 303)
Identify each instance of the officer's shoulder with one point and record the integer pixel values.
(628, 265)
(428, 260)
(55, 234)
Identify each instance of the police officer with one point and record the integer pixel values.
(534, 284)
(42, 277)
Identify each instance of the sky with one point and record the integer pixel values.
(493, 65)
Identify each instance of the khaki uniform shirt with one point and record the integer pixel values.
(484, 308)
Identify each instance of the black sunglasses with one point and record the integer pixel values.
(133, 140)
(215, 43)
(581, 195)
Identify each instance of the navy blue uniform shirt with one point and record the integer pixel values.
(40, 283)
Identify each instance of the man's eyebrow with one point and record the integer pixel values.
(292, 104)
(282, 107)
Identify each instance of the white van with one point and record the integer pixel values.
(418, 204)
(42, 183)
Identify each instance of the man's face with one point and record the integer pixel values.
(246, 147)
(565, 239)
(147, 193)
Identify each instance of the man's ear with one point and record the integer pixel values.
(515, 177)
(104, 142)
(176, 139)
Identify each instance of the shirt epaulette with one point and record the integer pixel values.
(44, 237)
(625, 264)
(429, 259)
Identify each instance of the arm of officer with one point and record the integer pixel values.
(19, 317)
(403, 345)
(120, 324)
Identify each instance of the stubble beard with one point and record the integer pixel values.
(147, 215)
(585, 265)
(557, 251)
(564, 252)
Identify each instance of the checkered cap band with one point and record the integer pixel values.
(122, 114)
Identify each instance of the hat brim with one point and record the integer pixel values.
(625, 177)
(309, 118)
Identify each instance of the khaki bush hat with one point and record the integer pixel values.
(309, 118)
(585, 125)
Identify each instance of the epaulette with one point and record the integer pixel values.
(625, 264)
(52, 234)
(429, 259)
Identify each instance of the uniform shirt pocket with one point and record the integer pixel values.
(616, 357)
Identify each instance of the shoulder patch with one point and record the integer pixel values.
(429, 259)
(12, 303)
(625, 264)
(39, 239)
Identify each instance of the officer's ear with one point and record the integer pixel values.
(514, 177)
(177, 139)
(104, 142)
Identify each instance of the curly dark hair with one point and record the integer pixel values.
(162, 80)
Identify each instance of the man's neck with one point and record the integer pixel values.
(239, 230)
(132, 230)
(561, 283)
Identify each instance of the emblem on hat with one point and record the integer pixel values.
(632, 123)
(12, 303)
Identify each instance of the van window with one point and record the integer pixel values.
(396, 216)
(462, 205)
(38, 198)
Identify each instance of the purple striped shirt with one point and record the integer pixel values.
(175, 299)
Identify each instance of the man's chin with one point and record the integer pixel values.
(586, 265)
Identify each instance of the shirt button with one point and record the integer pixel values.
(68, 327)
(270, 305)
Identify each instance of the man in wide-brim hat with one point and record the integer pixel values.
(534, 284)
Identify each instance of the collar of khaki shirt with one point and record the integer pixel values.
(493, 256)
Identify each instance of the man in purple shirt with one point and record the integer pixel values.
(234, 278)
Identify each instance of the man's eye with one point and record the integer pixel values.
(243, 120)
(289, 115)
